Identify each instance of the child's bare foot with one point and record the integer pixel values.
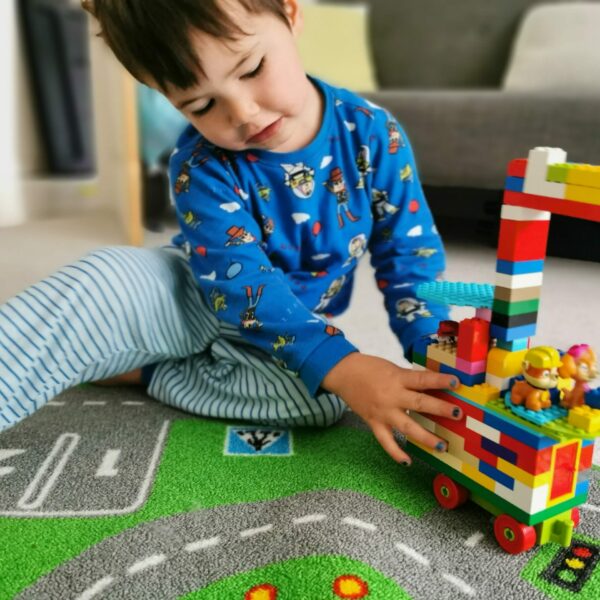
(131, 378)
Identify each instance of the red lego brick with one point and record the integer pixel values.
(564, 470)
(568, 208)
(522, 240)
(473, 339)
(517, 167)
(529, 459)
(587, 454)
(473, 447)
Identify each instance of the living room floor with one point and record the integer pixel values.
(569, 309)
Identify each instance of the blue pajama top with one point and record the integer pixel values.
(274, 238)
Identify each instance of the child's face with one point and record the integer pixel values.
(255, 93)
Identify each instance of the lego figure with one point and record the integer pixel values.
(578, 363)
(540, 372)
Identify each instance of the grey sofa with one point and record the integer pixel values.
(478, 82)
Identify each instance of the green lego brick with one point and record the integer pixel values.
(516, 308)
(558, 172)
(420, 359)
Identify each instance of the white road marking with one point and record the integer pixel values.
(55, 403)
(474, 539)
(463, 586)
(5, 454)
(590, 507)
(309, 519)
(411, 553)
(108, 466)
(255, 531)
(358, 523)
(132, 403)
(201, 544)
(146, 563)
(94, 403)
(98, 587)
(60, 454)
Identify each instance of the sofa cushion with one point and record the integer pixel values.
(557, 48)
(442, 43)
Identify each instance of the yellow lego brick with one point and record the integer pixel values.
(444, 457)
(504, 363)
(588, 175)
(476, 475)
(586, 418)
(481, 393)
(580, 193)
(524, 477)
(443, 352)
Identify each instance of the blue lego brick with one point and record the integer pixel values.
(420, 345)
(519, 267)
(497, 475)
(524, 434)
(582, 487)
(537, 417)
(464, 378)
(585, 443)
(457, 293)
(592, 398)
(513, 345)
(512, 333)
(514, 184)
(498, 450)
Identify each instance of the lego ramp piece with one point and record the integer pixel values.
(476, 295)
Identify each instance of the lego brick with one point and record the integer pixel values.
(523, 433)
(511, 321)
(504, 363)
(516, 308)
(530, 500)
(522, 240)
(587, 454)
(471, 368)
(443, 352)
(592, 398)
(473, 339)
(558, 172)
(563, 466)
(528, 479)
(473, 446)
(513, 345)
(498, 450)
(519, 213)
(481, 393)
(519, 267)
(483, 313)
(421, 344)
(478, 477)
(567, 208)
(526, 280)
(457, 293)
(419, 359)
(514, 183)
(483, 429)
(537, 168)
(464, 378)
(501, 383)
(588, 175)
(512, 333)
(432, 365)
(517, 167)
(580, 193)
(585, 418)
(530, 460)
(517, 294)
(497, 475)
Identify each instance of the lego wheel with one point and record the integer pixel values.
(575, 517)
(513, 537)
(448, 493)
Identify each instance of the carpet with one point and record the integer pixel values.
(105, 493)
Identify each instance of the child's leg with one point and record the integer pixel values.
(114, 311)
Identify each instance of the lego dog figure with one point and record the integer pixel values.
(579, 363)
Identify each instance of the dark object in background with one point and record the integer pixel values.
(56, 39)
(157, 209)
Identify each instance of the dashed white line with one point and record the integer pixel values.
(201, 544)
(411, 553)
(474, 539)
(108, 466)
(463, 586)
(98, 587)
(255, 531)
(55, 403)
(94, 403)
(358, 523)
(146, 563)
(132, 403)
(590, 507)
(309, 519)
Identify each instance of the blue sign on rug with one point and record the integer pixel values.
(255, 440)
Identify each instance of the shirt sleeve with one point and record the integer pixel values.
(236, 277)
(405, 246)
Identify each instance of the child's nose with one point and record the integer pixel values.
(242, 110)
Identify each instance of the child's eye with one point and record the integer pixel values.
(256, 71)
(204, 109)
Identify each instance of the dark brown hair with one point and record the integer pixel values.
(151, 38)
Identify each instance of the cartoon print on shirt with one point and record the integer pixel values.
(191, 220)
(365, 111)
(395, 140)
(264, 192)
(424, 252)
(381, 204)
(332, 330)
(282, 341)
(268, 225)
(248, 316)
(410, 308)
(406, 174)
(238, 236)
(218, 301)
(356, 248)
(336, 185)
(335, 287)
(363, 165)
(182, 183)
(300, 178)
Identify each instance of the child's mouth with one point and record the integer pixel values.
(266, 133)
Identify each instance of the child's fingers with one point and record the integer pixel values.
(428, 380)
(416, 432)
(423, 403)
(386, 438)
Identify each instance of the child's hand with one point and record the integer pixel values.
(381, 393)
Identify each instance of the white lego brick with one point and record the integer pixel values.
(423, 421)
(522, 280)
(518, 213)
(529, 499)
(482, 429)
(498, 382)
(537, 169)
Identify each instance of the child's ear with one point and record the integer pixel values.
(293, 12)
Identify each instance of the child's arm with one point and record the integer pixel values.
(381, 393)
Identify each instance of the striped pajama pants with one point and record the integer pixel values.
(122, 308)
